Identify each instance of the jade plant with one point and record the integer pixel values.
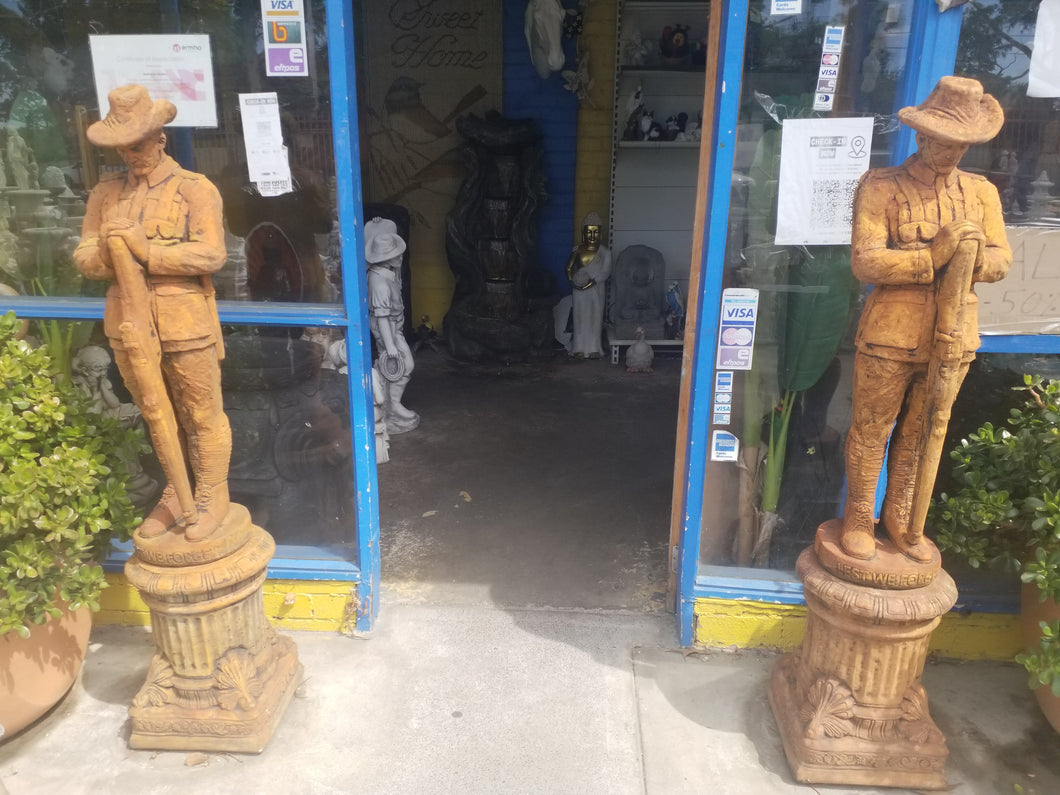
(1005, 510)
(62, 488)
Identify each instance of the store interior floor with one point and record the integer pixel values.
(538, 484)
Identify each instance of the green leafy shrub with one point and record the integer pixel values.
(1005, 510)
(62, 488)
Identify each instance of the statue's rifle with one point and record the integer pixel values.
(139, 335)
(952, 288)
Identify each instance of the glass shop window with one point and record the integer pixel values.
(280, 219)
(825, 76)
(1000, 46)
(286, 396)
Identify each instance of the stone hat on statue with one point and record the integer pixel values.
(132, 117)
(378, 226)
(383, 247)
(956, 110)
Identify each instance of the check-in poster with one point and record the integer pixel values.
(172, 66)
(821, 161)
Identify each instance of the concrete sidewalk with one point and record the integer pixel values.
(482, 700)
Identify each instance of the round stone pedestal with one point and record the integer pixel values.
(221, 677)
(849, 703)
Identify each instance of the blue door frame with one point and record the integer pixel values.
(931, 54)
(310, 563)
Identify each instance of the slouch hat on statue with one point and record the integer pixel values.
(133, 116)
(383, 247)
(956, 110)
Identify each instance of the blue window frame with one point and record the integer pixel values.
(361, 569)
(930, 54)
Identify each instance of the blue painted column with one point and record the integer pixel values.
(931, 54)
(354, 290)
(714, 207)
(556, 111)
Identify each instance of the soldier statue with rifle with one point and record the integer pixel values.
(924, 232)
(155, 231)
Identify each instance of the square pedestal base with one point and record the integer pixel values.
(246, 714)
(889, 761)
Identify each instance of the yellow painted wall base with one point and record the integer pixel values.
(289, 604)
(723, 623)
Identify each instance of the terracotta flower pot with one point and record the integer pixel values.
(36, 672)
(1031, 612)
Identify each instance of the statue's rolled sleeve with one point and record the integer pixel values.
(87, 258)
(997, 254)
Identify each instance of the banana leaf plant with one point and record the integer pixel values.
(811, 292)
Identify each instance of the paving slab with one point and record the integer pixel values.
(467, 699)
(713, 707)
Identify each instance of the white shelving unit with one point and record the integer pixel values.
(653, 183)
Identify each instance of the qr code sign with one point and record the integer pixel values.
(832, 202)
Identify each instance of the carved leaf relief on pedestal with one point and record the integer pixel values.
(158, 689)
(828, 710)
(916, 724)
(237, 680)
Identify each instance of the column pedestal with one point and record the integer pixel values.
(849, 703)
(221, 677)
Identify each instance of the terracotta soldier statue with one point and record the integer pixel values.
(588, 268)
(156, 232)
(923, 233)
(386, 315)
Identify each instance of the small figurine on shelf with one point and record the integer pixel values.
(674, 44)
(650, 130)
(634, 109)
(639, 355)
(674, 324)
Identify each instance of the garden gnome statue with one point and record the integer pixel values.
(588, 268)
(849, 702)
(386, 318)
(221, 677)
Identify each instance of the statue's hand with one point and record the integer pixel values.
(945, 244)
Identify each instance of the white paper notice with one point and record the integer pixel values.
(1044, 77)
(821, 161)
(779, 8)
(267, 162)
(170, 66)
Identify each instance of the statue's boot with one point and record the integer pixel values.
(859, 538)
(913, 545)
(212, 504)
(399, 419)
(163, 516)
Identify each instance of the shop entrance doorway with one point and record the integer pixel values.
(542, 484)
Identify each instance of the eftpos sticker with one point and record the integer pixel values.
(284, 36)
(736, 334)
(724, 446)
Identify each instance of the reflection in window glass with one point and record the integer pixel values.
(1023, 161)
(280, 248)
(791, 411)
(287, 400)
